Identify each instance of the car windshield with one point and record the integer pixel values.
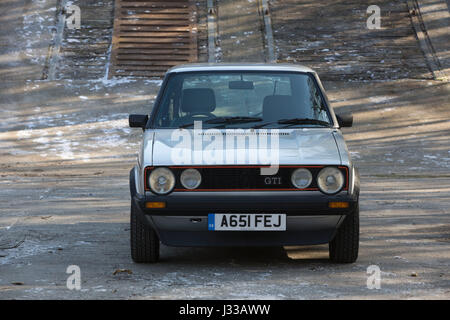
(241, 100)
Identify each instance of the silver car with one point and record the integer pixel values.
(243, 155)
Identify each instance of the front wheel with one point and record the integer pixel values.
(143, 239)
(344, 247)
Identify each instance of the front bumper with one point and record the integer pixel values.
(183, 222)
(193, 231)
(293, 203)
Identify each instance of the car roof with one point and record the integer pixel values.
(190, 67)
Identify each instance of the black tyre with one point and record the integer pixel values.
(344, 247)
(143, 239)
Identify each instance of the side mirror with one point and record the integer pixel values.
(345, 120)
(137, 120)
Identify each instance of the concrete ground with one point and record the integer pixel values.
(66, 151)
(239, 29)
(435, 17)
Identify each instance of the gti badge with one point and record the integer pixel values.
(272, 180)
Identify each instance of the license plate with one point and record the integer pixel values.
(246, 222)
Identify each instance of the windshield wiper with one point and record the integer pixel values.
(227, 120)
(232, 120)
(294, 121)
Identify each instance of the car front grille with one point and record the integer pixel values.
(235, 178)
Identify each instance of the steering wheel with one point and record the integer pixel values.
(195, 116)
(202, 114)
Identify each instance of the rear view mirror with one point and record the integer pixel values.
(345, 120)
(138, 120)
(241, 85)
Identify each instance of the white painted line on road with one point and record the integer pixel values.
(54, 57)
(425, 42)
(268, 31)
(211, 32)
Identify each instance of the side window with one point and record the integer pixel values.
(317, 103)
(168, 111)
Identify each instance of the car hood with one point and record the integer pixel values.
(307, 146)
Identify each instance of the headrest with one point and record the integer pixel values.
(278, 107)
(198, 100)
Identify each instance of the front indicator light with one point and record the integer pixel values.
(155, 205)
(338, 205)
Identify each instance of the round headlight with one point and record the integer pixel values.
(301, 178)
(330, 180)
(191, 178)
(161, 180)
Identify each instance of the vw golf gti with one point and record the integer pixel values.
(243, 155)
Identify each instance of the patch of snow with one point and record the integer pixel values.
(381, 99)
(355, 154)
(27, 249)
